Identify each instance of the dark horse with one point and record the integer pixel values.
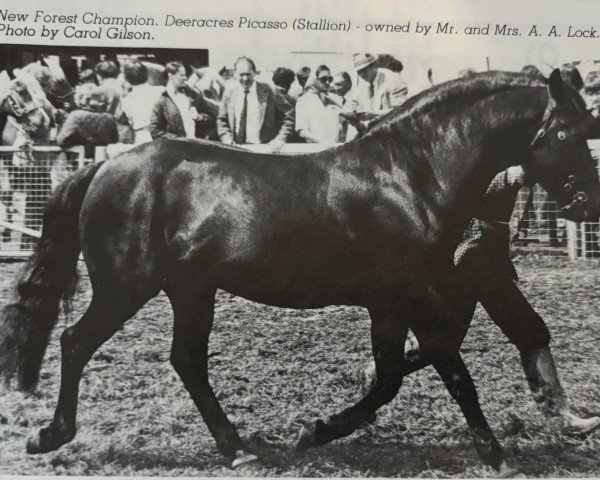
(372, 223)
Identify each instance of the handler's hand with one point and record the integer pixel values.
(276, 145)
(199, 117)
(515, 176)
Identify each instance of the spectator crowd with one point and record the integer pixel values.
(129, 103)
(117, 104)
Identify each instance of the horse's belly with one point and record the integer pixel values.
(310, 280)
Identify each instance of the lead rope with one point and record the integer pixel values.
(524, 216)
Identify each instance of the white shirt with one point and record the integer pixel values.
(184, 106)
(138, 105)
(389, 91)
(321, 122)
(252, 114)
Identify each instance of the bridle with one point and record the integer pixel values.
(18, 108)
(16, 111)
(63, 98)
(579, 196)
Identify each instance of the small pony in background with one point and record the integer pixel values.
(26, 117)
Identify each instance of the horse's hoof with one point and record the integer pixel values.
(242, 458)
(47, 440)
(580, 426)
(490, 452)
(507, 471)
(308, 436)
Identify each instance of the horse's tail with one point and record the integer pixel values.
(50, 275)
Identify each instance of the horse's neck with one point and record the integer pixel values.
(450, 160)
(497, 134)
(455, 156)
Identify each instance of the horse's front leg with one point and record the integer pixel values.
(388, 333)
(436, 330)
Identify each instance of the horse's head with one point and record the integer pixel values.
(54, 83)
(561, 161)
(23, 100)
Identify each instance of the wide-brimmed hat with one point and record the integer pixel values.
(592, 83)
(363, 60)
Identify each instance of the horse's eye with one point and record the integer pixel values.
(561, 135)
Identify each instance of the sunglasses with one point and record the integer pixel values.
(325, 79)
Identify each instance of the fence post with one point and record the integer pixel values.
(80, 150)
(99, 154)
(572, 240)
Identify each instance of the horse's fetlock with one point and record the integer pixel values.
(490, 451)
(68, 337)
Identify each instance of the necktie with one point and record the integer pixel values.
(371, 94)
(243, 119)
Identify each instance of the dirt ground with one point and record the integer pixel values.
(274, 368)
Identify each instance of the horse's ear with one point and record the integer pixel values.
(556, 87)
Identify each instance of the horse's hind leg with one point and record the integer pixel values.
(107, 312)
(388, 334)
(194, 311)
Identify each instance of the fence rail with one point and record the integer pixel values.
(27, 181)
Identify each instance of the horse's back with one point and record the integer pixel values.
(276, 229)
(195, 202)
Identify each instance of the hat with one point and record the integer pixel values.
(91, 97)
(592, 83)
(363, 60)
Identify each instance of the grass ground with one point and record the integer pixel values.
(273, 368)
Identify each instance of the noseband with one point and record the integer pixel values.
(579, 196)
(18, 108)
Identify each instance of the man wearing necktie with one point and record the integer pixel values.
(251, 113)
(379, 90)
(341, 86)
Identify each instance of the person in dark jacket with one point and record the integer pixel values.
(483, 263)
(180, 111)
(483, 260)
(250, 112)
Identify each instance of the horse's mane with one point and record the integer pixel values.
(461, 89)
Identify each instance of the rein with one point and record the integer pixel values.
(68, 94)
(25, 151)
